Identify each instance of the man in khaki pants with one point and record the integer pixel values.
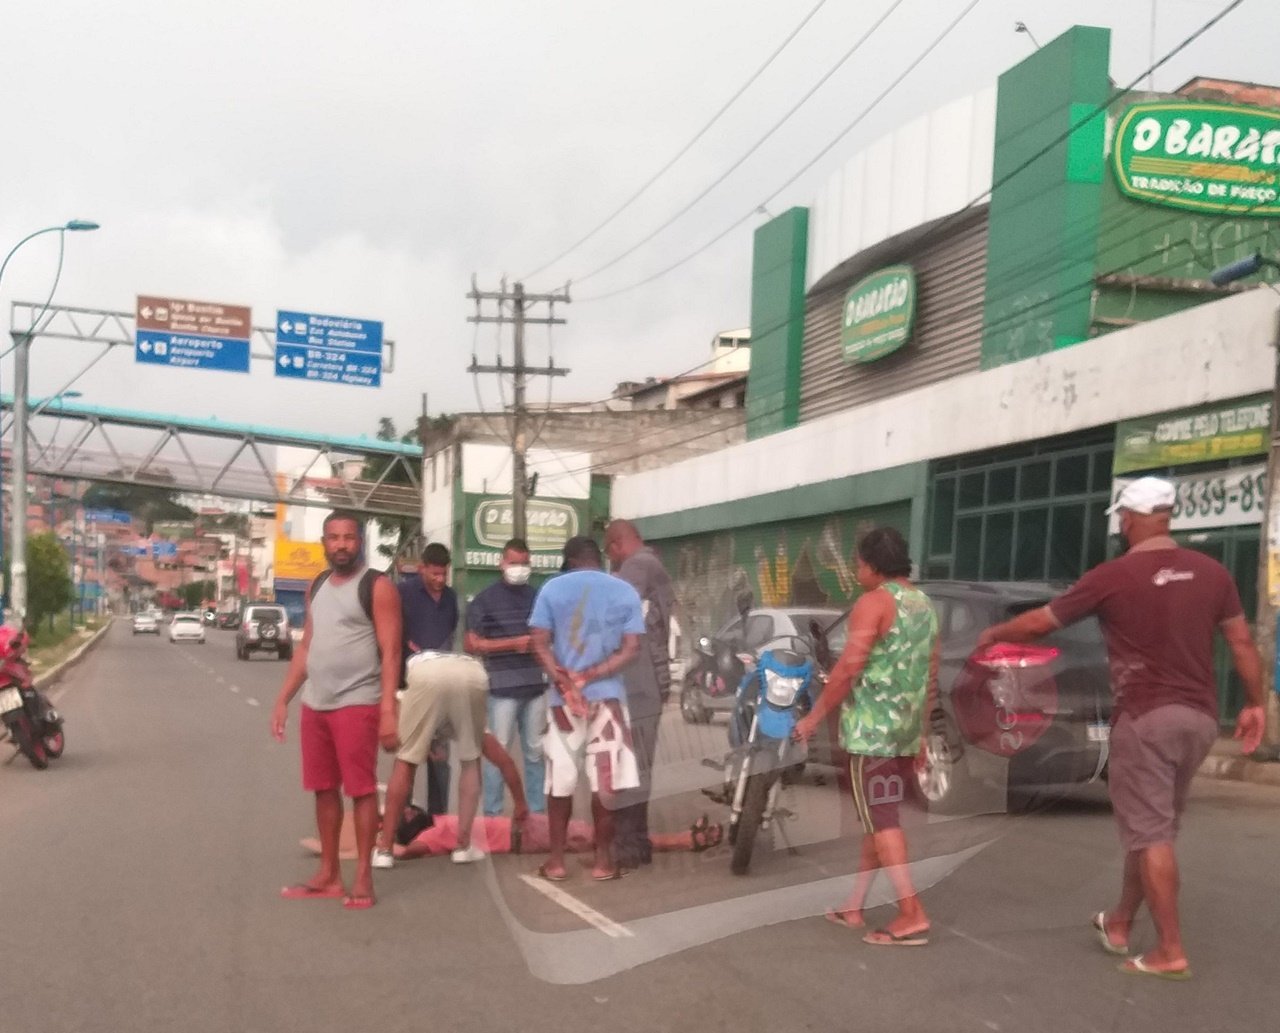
(446, 694)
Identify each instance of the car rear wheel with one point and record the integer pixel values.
(942, 783)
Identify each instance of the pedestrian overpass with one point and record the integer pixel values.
(176, 455)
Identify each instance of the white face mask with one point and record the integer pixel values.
(517, 574)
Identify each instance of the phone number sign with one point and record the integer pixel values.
(1228, 498)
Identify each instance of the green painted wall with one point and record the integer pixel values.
(1148, 240)
(1044, 220)
(880, 487)
(804, 562)
(778, 262)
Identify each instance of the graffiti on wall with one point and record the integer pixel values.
(801, 563)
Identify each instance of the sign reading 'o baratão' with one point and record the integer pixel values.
(879, 313)
(1222, 158)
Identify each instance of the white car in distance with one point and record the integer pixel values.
(186, 627)
(146, 623)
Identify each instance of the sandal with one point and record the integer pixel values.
(1138, 967)
(305, 891)
(703, 835)
(885, 938)
(545, 873)
(1100, 927)
(836, 916)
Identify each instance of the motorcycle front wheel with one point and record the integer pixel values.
(754, 802)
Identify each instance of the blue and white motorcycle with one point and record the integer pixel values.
(776, 691)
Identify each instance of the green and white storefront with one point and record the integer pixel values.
(981, 376)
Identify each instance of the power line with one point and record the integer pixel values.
(755, 146)
(805, 168)
(949, 220)
(683, 150)
(988, 328)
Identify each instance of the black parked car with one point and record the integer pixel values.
(1017, 717)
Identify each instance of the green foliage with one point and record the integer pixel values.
(194, 594)
(378, 465)
(147, 502)
(49, 586)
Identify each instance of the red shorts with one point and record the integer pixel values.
(879, 786)
(340, 750)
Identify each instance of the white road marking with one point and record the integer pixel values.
(253, 702)
(573, 905)
(235, 688)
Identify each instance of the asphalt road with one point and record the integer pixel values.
(142, 871)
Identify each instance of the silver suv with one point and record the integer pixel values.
(264, 628)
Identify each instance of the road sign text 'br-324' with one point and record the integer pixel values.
(330, 349)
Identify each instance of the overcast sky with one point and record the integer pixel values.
(364, 158)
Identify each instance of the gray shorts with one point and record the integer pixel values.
(1153, 759)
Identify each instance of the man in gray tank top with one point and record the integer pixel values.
(348, 669)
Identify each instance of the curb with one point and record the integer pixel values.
(1240, 769)
(55, 673)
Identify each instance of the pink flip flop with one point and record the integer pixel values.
(358, 903)
(303, 891)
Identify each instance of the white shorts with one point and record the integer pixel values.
(601, 742)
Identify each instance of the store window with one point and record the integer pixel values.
(1030, 512)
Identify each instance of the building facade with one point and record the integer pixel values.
(986, 322)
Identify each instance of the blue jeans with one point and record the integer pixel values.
(506, 716)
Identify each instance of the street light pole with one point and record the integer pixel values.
(18, 561)
(21, 360)
(1267, 633)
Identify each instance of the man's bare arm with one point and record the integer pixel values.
(388, 627)
(1251, 725)
(501, 759)
(1026, 627)
(294, 679)
(478, 645)
(615, 662)
(866, 625)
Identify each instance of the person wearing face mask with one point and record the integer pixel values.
(498, 633)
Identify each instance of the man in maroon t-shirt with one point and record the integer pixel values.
(1160, 606)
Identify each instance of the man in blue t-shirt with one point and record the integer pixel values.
(586, 627)
(498, 633)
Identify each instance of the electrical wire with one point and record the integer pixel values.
(880, 98)
(754, 147)
(959, 213)
(686, 148)
(994, 326)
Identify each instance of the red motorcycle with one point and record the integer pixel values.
(33, 723)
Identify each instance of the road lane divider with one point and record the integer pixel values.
(572, 904)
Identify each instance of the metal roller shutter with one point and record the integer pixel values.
(947, 340)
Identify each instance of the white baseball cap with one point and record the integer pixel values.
(1145, 495)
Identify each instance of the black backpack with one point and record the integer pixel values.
(365, 590)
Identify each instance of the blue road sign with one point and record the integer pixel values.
(107, 516)
(330, 349)
(189, 351)
(164, 550)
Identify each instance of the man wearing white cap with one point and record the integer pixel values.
(1159, 606)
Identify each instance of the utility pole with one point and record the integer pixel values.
(519, 301)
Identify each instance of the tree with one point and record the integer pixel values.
(378, 465)
(147, 502)
(49, 586)
(194, 594)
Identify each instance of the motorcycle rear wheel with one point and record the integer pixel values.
(31, 747)
(54, 743)
(753, 804)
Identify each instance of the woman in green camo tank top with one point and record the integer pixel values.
(890, 665)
